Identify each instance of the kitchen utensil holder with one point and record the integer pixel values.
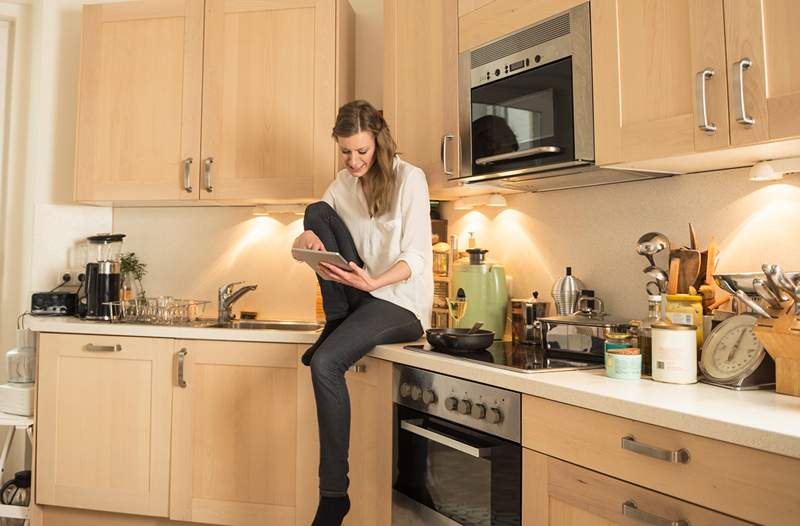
(781, 338)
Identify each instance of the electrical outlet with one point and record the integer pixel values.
(73, 277)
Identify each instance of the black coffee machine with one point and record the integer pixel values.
(101, 283)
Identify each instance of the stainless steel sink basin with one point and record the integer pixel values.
(266, 325)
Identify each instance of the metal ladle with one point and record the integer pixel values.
(659, 275)
(651, 244)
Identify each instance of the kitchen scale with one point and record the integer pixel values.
(734, 358)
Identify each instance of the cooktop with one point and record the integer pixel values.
(519, 357)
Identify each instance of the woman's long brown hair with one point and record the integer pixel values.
(358, 116)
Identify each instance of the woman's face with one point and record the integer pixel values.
(358, 152)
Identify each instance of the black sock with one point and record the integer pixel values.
(331, 511)
(329, 327)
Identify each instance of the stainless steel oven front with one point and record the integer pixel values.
(525, 100)
(457, 453)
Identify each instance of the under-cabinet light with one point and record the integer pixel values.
(297, 209)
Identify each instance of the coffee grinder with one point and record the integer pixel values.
(102, 278)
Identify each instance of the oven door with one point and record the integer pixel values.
(447, 474)
(524, 121)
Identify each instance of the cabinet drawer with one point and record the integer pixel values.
(737, 480)
(557, 492)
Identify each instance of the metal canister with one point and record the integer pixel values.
(674, 353)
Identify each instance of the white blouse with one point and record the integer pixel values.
(404, 234)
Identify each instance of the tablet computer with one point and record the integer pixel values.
(314, 257)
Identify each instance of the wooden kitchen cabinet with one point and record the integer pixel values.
(260, 81)
(420, 90)
(234, 433)
(563, 494)
(103, 423)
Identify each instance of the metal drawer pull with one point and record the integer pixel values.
(358, 368)
(703, 124)
(738, 81)
(630, 510)
(90, 347)
(181, 359)
(530, 152)
(412, 427)
(680, 456)
(207, 174)
(187, 174)
(446, 138)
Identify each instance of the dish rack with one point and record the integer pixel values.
(163, 310)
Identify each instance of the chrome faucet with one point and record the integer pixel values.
(227, 297)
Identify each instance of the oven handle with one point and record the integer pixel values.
(530, 152)
(412, 427)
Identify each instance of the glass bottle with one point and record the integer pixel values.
(646, 332)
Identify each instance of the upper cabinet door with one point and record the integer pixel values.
(763, 69)
(269, 96)
(138, 135)
(647, 56)
(421, 84)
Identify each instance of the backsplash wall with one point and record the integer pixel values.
(594, 230)
(191, 252)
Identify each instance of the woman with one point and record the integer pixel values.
(376, 214)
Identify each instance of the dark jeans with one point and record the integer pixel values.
(368, 322)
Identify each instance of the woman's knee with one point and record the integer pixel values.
(317, 210)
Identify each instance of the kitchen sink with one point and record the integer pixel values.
(265, 325)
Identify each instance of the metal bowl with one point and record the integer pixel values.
(744, 281)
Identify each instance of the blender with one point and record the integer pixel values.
(102, 279)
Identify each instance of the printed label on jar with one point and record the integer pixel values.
(680, 318)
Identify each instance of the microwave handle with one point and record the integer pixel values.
(445, 139)
(412, 427)
(530, 152)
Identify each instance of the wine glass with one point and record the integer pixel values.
(457, 307)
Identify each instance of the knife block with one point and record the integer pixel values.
(781, 338)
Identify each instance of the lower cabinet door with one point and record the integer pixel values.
(103, 423)
(234, 433)
(558, 493)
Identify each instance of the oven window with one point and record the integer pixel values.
(522, 112)
(469, 490)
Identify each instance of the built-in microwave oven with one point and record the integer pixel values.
(526, 100)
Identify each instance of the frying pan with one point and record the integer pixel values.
(459, 339)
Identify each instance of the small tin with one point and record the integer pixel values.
(624, 363)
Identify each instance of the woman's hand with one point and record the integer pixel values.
(357, 278)
(309, 241)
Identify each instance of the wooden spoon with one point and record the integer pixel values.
(674, 270)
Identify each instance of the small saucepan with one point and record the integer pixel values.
(459, 339)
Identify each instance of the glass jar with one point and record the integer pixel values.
(686, 309)
(646, 331)
(21, 365)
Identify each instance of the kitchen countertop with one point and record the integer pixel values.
(759, 419)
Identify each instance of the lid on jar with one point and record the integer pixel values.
(684, 297)
(625, 350)
(618, 336)
(669, 326)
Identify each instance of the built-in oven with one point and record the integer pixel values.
(526, 100)
(457, 452)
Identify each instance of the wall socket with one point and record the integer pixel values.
(73, 277)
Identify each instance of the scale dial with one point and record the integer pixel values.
(732, 351)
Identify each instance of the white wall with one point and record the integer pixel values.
(594, 230)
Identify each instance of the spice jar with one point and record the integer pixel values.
(624, 363)
(686, 309)
(674, 353)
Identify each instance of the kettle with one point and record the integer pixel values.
(566, 292)
(485, 289)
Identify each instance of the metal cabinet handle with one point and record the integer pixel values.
(741, 112)
(412, 426)
(187, 174)
(703, 124)
(632, 511)
(446, 138)
(358, 368)
(207, 174)
(181, 360)
(680, 456)
(90, 347)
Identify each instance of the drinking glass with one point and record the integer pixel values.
(457, 307)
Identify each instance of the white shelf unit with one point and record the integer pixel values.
(14, 424)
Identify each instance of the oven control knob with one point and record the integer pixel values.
(451, 403)
(479, 411)
(465, 407)
(416, 392)
(494, 416)
(405, 390)
(428, 397)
